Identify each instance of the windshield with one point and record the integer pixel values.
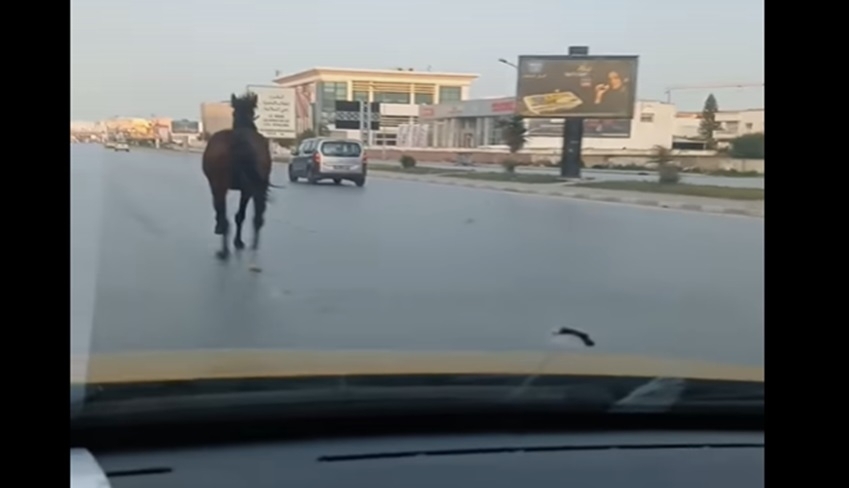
(519, 210)
(333, 148)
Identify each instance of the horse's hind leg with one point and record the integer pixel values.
(222, 226)
(259, 220)
(240, 218)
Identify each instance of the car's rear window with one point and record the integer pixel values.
(340, 148)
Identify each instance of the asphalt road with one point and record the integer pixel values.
(616, 175)
(402, 265)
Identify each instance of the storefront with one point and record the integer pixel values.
(468, 124)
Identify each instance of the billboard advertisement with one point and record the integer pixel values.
(593, 87)
(185, 126)
(275, 111)
(599, 128)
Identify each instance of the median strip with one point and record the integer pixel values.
(706, 191)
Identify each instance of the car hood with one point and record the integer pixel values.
(149, 366)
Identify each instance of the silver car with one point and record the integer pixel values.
(324, 158)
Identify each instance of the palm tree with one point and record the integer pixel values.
(514, 134)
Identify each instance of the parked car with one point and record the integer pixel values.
(122, 146)
(324, 158)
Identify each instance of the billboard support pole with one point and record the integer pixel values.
(573, 133)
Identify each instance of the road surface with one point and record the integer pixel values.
(402, 265)
(614, 175)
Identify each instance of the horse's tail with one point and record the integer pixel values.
(246, 163)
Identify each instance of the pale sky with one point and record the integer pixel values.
(137, 58)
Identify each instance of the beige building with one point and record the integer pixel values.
(399, 92)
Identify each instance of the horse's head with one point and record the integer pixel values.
(244, 108)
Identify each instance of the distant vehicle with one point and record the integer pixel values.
(122, 146)
(109, 145)
(324, 158)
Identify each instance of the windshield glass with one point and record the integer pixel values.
(520, 210)
(333, 148)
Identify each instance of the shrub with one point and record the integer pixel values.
(408, 161)
(509, 165)
(668, 174)
(748, 146)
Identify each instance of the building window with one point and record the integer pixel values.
(384, 97)
(647, 117)
(424, 99)
(495, 136)
(748, 126)
(449, 94)
(360, 96)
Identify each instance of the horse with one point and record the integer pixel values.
(239, 159)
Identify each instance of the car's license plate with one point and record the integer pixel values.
(342, 167)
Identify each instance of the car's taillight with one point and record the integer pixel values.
(316, 158)
(365, 160)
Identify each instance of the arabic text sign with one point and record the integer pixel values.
(598, 87)
(275, 111)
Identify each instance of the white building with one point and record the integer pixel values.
(732, 124)
(475, 124)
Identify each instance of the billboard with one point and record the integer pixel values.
(275, 111)
(348, 115)
(185, 126)
(598, 128)
(593, 87)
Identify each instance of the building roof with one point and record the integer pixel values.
(319, 72)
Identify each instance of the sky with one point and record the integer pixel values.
(164, 58)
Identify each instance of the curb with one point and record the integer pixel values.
(645, 202)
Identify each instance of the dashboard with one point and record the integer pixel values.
(577, 460)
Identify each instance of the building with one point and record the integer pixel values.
(475, 124)
(215, 116)
(399, 92)
(732, 123)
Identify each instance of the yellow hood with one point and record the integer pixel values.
(258, 363)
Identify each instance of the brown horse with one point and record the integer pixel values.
(238, 159)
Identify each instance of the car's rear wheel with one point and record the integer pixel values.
(337, 181)
(293, 178)
(361, 181)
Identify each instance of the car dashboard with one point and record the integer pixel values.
(583, 459)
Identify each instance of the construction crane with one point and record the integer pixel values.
(708, 87)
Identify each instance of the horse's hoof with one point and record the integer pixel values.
(239, 245)
(222, 255)
(255, 268)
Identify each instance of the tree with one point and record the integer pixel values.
(514, 134)
(708, 124)
(748, 146)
